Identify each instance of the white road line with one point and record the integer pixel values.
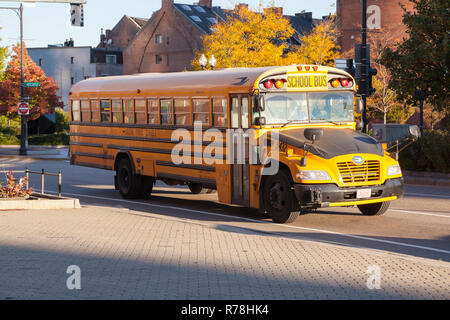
(258, 221)
(421, 213)
(426, 195)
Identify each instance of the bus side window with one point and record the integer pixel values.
(128, 114)
(116, 111)
(153, 112)
(105, 111)
(182, 112)
(234, 112)
(220, 112)
(75, 110)
(201, 110)
(85, 112)
(95, 112)
(166, 111)
(139, 111)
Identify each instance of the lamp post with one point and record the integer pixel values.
(203, 61)
(23, 124)
(212, 62)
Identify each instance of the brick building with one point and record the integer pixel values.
(382, 16)
(169, 39)
(123, 32)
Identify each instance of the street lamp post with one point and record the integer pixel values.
(364, 65)
(23, 124)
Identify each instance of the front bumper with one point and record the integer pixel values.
(330, 195)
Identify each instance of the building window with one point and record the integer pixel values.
(158, 39)
(158, 59)
(167, 40)
(128, 114)
(111, 59)
(196, 18)
(85, 112)
(40, 62)
(139, 111)
(75, 110)
(72, 80)
(105, 111)
(153, 111)
(182, 112)
(201, 110)
(166, 111)
(95, 111)
(219, 112)
(71, 60)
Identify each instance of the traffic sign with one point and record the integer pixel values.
(23, 109)
(31, 84)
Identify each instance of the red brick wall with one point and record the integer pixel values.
(349, 14)
(184, 39)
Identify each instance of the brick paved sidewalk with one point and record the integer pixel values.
(133, 255)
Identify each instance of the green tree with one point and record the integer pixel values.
(422, 60)
(3, 57)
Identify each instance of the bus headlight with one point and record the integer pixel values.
(312, 175)
(394, 170)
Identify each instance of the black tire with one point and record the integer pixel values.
(196, 188)
(280, 199)
(128, 183)
(374, 209)
(146, 186)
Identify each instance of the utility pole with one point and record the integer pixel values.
(364, 65)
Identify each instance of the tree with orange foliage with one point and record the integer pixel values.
(42, 99)
(247, 39)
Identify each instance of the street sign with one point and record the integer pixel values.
(31, 84)
(23, 109)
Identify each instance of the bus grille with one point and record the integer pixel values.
(352, 173)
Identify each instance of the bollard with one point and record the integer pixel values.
(27, 176)
(42, 181)
(59, 183)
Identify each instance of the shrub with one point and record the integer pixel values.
(14, 189)
(430, 153)
(8, 139)
(54, 139)
(9, 126)
(62, 120)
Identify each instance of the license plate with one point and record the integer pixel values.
(363, 193)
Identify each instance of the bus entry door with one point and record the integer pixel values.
(240, 168)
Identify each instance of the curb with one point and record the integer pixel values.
(40, 202)
(426, 178)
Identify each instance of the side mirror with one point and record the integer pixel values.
(260, 121)
(313, 134)
(260, 103)
(414, 131)
(359, 106)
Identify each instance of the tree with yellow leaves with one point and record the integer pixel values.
(248, 39)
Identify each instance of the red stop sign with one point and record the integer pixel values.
(23, 109)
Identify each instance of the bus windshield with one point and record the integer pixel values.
(308, 107)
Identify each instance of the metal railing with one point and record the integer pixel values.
(42, 173)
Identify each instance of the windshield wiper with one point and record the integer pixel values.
(289, 122)
(328, 120)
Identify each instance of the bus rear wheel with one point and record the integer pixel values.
(280, 199)
(374, 209)
(196, 188)
(129, 183)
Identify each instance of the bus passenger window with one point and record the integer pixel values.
(234, 112)
(139, 111)
(75, 110)
(128, 115)
(153, 112)
(95, 112)
(182, 112)
(219, 112)
(116, 111)
(201, 110)
(244, 112)
(166, 111)
(85, 112)
(105, 111)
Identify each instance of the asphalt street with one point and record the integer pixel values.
(417, 225)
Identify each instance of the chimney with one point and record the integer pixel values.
(102, 39)
(276, 10)
(205, 3)
(166, 3)
(305, 15)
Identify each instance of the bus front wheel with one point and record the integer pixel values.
(374, 209)
(279, 198)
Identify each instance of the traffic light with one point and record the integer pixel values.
(76, 15)
(364, 72)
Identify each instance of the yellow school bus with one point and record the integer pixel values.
(135, 125)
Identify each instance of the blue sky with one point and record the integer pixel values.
(49, 23)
